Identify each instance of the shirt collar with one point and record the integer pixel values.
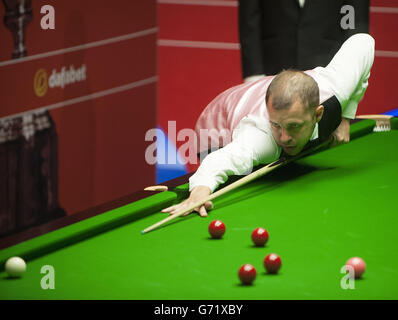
(315, 133)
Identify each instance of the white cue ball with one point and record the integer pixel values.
(15, 267)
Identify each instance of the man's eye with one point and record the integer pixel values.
(294, 126)
(275, 125)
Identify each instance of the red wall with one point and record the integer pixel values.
(190, 77)
(382, 94)
(101, 122)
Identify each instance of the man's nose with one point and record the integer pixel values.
(285, 137)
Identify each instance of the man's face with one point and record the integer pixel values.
(292, 128)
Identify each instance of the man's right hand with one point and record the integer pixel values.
(198, 193)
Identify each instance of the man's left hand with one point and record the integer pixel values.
(342, 134)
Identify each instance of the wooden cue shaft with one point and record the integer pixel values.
(234, 185)
(220, 192)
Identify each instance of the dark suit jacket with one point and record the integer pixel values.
(278, 34)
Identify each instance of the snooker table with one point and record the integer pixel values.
(319, 211)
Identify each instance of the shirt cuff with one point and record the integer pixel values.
(195, 181)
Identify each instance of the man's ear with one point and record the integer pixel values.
(319, 112)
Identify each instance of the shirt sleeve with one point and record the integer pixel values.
(349, 71)
(249, 147)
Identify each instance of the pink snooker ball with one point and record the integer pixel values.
(358, 265)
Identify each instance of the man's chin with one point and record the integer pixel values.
(291, 151)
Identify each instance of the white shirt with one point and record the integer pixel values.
(242, 113)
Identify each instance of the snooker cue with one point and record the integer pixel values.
(254, 175)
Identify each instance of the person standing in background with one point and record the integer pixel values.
(301, 34)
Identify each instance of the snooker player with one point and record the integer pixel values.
(276, 115)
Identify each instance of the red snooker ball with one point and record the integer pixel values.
(247, 273)
(216, 229)
(272, 263)
(358, 265)
(260, 237)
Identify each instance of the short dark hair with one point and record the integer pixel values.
(290, 85)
